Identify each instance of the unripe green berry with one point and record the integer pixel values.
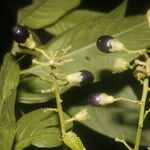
(140, 73)
(120, 65)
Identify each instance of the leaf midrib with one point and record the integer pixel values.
(31, 12)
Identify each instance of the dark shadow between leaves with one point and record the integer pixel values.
(127, 115)
(114, 83)
(100, 5)
(97, 140)
(137, 7)
(43, 35)
(8, 15)
(22, 108)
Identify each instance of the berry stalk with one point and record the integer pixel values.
(42, 52)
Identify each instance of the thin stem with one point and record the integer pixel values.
(70, 120)
(131, 52)
(21, 58)
(141, 114)
(42, 52)
(146, 113)
(140, 52)
(138, 62)
(39, 63)
(59, 108)
(128, 100)
(50, 109)
(80, 116)
(124, 142)
(132, 66)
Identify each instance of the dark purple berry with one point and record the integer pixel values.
(103, 43)
(83, 78)
(20, 34)
(94, 99)
(87, 78)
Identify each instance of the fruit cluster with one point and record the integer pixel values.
(106, 44)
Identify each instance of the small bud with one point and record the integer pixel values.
(139, 73)
(120, 65)
(99, 99)
(108, 44)
(82, 77)
(82, 115)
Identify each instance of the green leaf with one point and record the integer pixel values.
(116, 120)
(40, 128)
(71, 20)
(9, 80)
(44, 12)
(73, 141)
(6, 138)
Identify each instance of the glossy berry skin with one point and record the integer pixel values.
(94, 99)
(103, 43)
(20, 34)
(87, 78)
(82, 78)
(100, 99)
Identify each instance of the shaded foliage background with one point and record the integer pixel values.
(8, 14)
